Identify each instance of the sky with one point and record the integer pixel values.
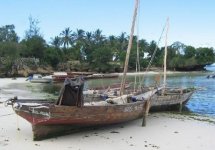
(192, 22)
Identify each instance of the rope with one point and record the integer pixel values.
(153, 55)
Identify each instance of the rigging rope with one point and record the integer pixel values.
(153, 55)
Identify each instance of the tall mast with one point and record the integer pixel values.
(165, 54)
(129, 49)
(138, 47)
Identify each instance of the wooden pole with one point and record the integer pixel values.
(129, 49)
(144, 120)
(145, 112)
(165, 57)
(180, 107)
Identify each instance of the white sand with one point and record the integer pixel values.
(163, 132)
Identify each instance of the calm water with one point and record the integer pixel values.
(202, 101)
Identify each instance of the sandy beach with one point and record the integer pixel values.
(164, 131)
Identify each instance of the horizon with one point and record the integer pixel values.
(191, 22)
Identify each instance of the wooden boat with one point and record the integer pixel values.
(80, 73)
(172, 99)
(69, 112)
(61, 76)
(38, 78)
(101, 76)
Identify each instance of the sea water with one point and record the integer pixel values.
(202, 101)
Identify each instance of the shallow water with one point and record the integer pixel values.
(10, 88)
(202, 101)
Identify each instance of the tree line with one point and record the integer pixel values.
(95, 51)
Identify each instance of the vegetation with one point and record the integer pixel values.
(94, 51)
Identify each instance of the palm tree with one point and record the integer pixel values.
(123, 41)
(113, 46)
(79, 35)
(56, 41)
(67, 37)
(98, 37)
(79, 45)
(88, 36)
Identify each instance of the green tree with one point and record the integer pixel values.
(101, 57)
(205, 56)
(189, 52)
(158, 57)
(9, 51)
(8, 34)
(35, 47)
(34, 30)
(52, 56)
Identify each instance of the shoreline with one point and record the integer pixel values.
(155, 71)
(163, 131)
(168, 73)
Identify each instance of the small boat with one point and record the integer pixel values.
(38, 78)
(61, 76)
(211, 76)
(169, 98)
(69, 112)
(172, 99)
(80, 73)
(101, 76)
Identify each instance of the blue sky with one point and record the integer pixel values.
(191, 21)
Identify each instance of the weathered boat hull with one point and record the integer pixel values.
(169, 102)
(53, 119)
(41, 132)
